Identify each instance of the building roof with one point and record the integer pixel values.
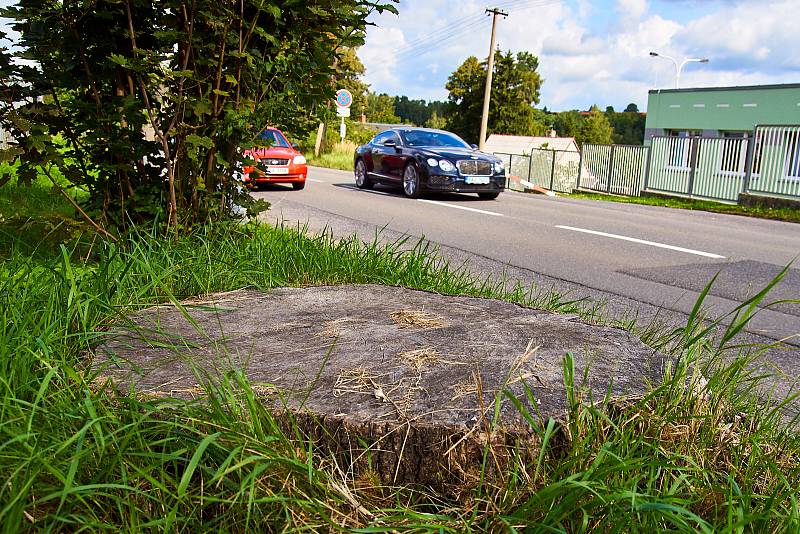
(522, 144)
(731, 88)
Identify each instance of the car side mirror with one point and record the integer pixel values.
(390, 144)
(474, 146)
(296, 146)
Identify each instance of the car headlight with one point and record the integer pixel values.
(499, 165)
(433, 162)
(446, 165)
(299, 160)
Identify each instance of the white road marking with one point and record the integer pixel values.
(461, 207)
(643, 242)
(316, 181)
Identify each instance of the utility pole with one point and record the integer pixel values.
(488, 91)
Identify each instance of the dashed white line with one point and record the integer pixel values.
(316, 181)
(643, 242)
(461, 207)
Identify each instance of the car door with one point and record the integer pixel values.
(393, 158)
(378, 152)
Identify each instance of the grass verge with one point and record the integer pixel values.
(341, 157)
(778, 214)
(696, 454)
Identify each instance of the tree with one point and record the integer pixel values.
(416, 112)
(595, 129)
(515, 90)
(568, 123)
(436, 121)
(380, 108)
(349, 71)
(632, 108)
(147, 104)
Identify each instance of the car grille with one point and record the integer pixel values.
(274, 161)
(471, 167)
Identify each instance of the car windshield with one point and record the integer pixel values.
(423, 138)
(274, 138)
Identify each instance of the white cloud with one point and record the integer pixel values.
(590, 52)
(631, 10)
(378, 55)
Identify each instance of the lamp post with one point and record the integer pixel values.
(679, 67)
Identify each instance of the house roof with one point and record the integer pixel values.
(730, 88)
(521, 144)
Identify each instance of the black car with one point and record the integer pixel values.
(422, 159)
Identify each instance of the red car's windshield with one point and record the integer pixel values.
(274, 138)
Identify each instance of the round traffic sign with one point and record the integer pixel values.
(344, 98)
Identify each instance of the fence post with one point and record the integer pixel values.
(610, 168)
(694, 150)
(552, 170)
(580, 167)
(748, 161)
(530, 165)
(647, 167)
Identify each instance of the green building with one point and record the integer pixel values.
(727, 112)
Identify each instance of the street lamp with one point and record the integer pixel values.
(679, 68)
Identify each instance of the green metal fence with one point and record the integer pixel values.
(775, 162)
(615, 169)
(711, 168)
(716, 168)
(556, 170)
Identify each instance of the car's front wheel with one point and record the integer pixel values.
(362, 180)
(411, 181)
(488, 196)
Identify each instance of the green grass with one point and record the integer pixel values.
(696, 454)
(340, 157)
(780, 214)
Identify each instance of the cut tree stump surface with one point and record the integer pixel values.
(417, 371)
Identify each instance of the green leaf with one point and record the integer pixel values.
(196, 141)
(190, 469)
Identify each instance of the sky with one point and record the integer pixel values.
(590, 51)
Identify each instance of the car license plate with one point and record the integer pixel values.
(277, 170)
(476, 180)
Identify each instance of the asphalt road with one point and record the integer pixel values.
(641, 260)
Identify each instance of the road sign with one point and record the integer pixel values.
(342, 130)
(344, 98)
(342, 112)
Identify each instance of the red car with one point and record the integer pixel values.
(277, 163)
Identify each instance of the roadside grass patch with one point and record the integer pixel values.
(788, 214)
(340, 157)
(698, 453)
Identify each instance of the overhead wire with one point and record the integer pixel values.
(456, 30)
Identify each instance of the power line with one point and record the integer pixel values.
(456, 30)
(455, 25)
